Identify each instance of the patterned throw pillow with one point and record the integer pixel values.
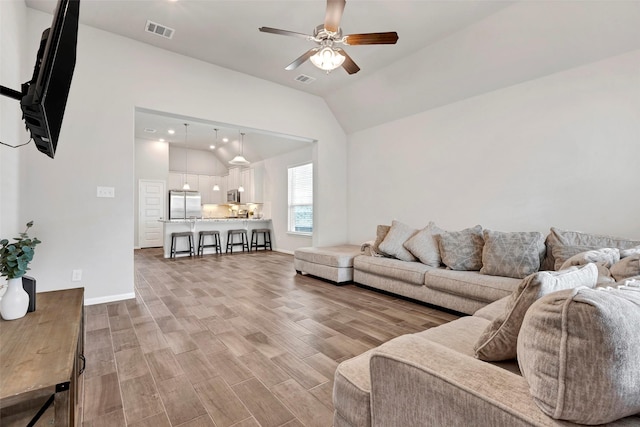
(462, 250)
(393, 243)
(512, 254)
(424, 245)
(499, 339)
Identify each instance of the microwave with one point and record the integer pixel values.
(233, 196)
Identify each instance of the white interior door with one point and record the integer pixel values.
(151, 196)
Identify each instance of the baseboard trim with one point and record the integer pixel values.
(283, 251)
(110, 298)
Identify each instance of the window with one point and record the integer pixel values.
(301, 199)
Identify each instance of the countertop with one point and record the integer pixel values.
(171, 221)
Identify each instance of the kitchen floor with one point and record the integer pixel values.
(231, 340)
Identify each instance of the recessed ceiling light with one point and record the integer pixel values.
(213, 147)
(149, 130)
(225, 139)
(171, 131)
(161, 140)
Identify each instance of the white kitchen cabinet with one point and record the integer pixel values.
(234, 178)
(258, 184)
(246, 180)
(175, 181)
(219, 197)
(204, 188)
(192, 180)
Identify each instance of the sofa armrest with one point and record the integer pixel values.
(418, 382)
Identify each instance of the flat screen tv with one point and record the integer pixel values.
(44, 98)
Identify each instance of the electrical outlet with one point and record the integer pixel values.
(76, 276)
(106, 192)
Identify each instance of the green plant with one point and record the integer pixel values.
(15, 257)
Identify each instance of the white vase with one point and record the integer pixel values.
(15, 301)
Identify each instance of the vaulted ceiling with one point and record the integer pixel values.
(447, 50)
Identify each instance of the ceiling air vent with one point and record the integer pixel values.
(159, 30)
(303, 78)
(149, 130)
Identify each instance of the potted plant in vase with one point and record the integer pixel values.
(14, 263)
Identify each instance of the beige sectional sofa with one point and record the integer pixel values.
(462, 291)
(579, 365)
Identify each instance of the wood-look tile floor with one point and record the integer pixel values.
(231, 340)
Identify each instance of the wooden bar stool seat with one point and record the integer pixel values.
(215, 244)
(177, 235)
(244, 241)
(266, 239)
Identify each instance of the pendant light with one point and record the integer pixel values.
(216, 187)
(186, 159)
(240, 160)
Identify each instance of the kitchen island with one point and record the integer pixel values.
(206, 224)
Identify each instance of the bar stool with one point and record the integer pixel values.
(244, 243)
(175, 236)
(215, 244)
(266, 239)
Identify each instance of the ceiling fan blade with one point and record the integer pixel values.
(298, 62)
(371, 38)
(285, 33)
(348, 64)
(334, 15)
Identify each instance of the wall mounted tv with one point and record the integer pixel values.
(43, 99)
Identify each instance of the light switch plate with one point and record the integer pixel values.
(106, 192)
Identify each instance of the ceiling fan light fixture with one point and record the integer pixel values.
(327, 59)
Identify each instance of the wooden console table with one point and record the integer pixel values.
(41, 358)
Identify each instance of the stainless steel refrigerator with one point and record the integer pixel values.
(184, 204)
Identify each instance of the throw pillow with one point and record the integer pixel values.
(462, 250)
(558, 237)
(562, 253)
(499, 339)
(381, 233)
(578, 350)
(512, 254)
(394, 241)
(626, 268)
(424, 246)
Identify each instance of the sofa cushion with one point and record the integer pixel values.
(578, 350)
(352, 390)
(499, 339)
(424, 245)
(515, 254)
(462, 250)
(586, 241)
(626, 267)
(393, 243)
(334, 256)
(470, 284)
(410, 272)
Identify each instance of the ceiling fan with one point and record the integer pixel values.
(326, 55)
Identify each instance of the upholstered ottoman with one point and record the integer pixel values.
(334, 263)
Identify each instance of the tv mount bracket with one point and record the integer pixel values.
(10, 93)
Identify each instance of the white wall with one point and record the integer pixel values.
(197, 162)
(13, 72)
(561, 151)
(96, 148)
(275, 181)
